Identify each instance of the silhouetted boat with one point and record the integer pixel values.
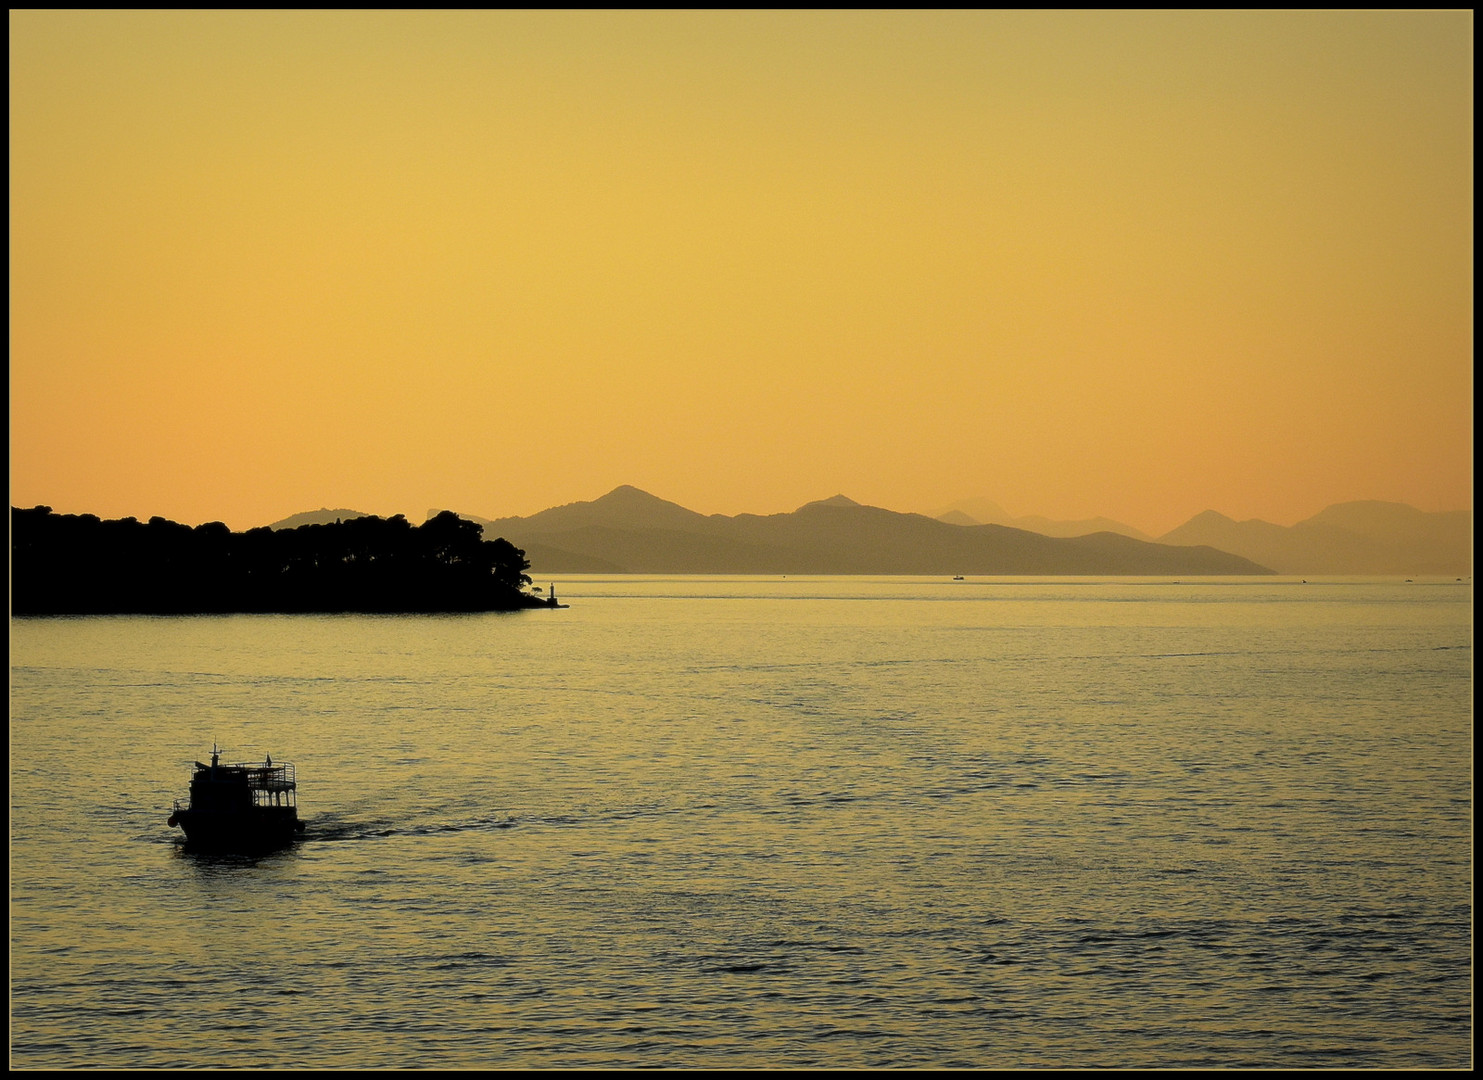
(242, 807)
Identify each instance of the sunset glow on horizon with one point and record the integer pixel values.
(1136, 264)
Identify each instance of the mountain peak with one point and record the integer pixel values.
(1211, 517)
(834, 500)
(629, 494)
(624, 507)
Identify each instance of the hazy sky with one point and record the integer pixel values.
(1137, 264)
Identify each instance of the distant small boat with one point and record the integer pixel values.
(242, 807)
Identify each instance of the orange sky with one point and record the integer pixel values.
(1138, 265)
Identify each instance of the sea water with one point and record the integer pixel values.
(762, 823)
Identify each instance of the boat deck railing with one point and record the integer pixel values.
(259, 798)
(259, 776)
(270, 777)
(267, 784)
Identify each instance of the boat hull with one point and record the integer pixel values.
(260, 829)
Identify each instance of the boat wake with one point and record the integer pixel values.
(333, 828)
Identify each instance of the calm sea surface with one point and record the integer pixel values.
(747, 822)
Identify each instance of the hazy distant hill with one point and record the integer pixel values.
(1347, 538)
(631, 531)
(984, 512)
(320, 517)
(957, 517)
(977, 512)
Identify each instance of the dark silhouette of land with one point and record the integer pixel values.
(317, 517)
(631, 531)
(68, 564)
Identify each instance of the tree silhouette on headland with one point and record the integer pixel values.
(71, 564)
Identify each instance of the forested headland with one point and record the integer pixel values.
(78, 564)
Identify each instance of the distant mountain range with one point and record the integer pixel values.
(631, 531)
(1347, 538)
(984, 512)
